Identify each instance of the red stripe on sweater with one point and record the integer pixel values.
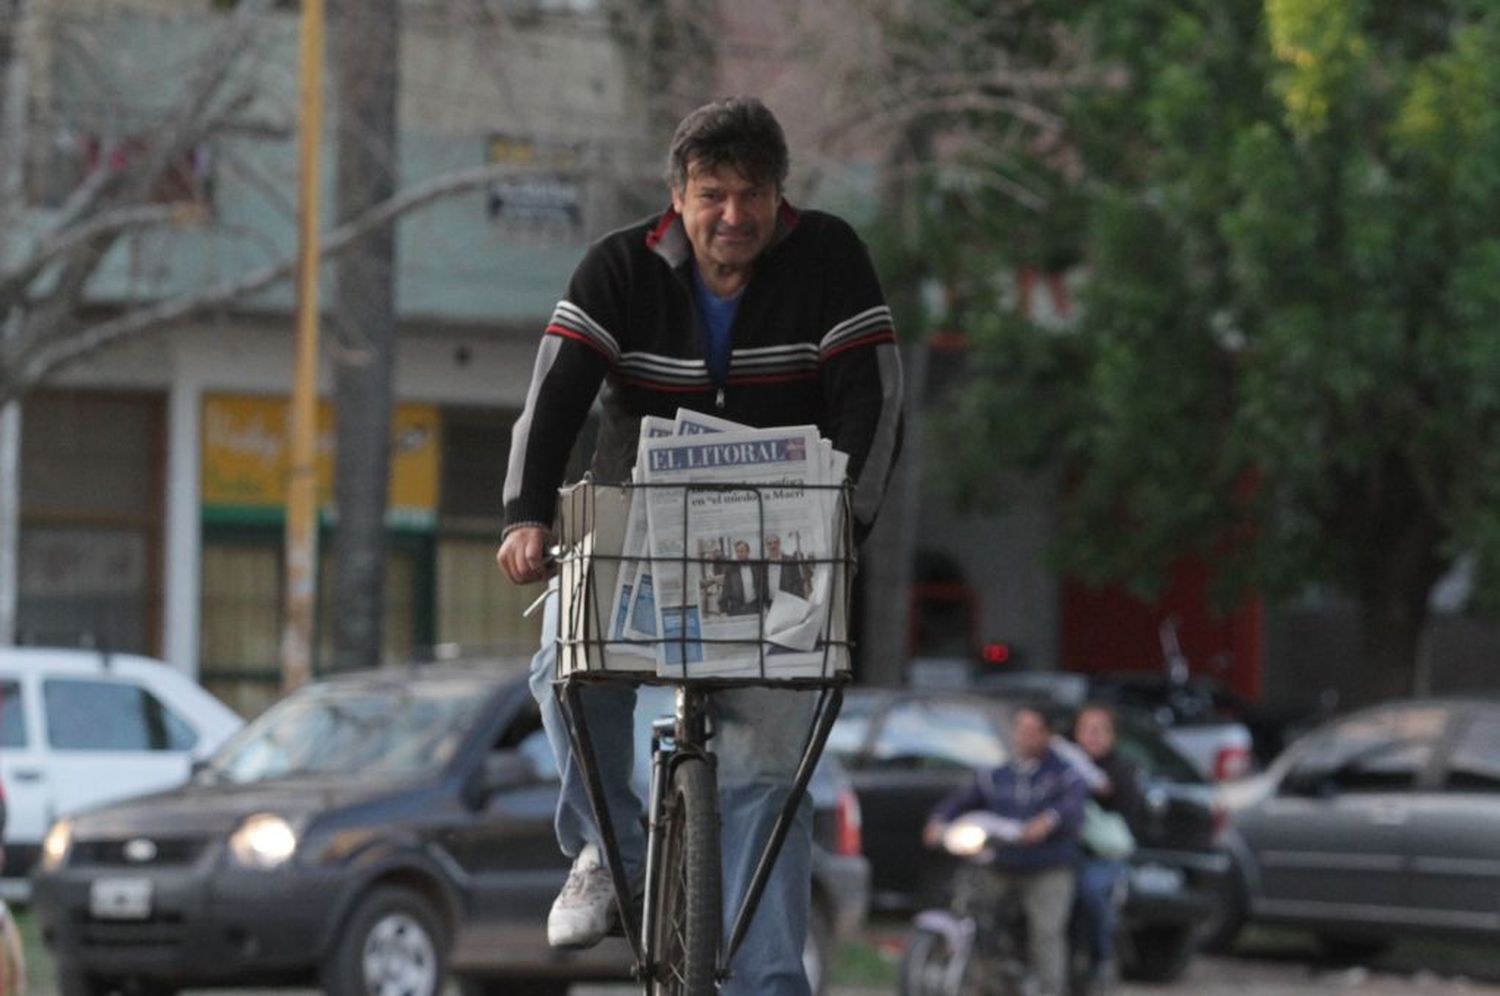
(873, 339)
(568, 333)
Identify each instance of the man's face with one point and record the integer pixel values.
(1095, 732)
(729, 220)
(1031, 735)
(742, 550)
(773, 547)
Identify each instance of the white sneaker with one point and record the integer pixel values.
(585, 908)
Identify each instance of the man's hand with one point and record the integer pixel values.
(522, 555)
(1038, 828)
(932, 833)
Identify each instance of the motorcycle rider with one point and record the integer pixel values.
(1044, 795)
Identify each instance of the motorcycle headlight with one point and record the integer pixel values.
(264, 841)
(964, 839)
(55, 846)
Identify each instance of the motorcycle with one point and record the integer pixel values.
(976, 945)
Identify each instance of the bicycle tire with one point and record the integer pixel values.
(689, 924)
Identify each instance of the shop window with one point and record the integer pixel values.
(91, 512)
(241, 621)
(399, 616)
(243, 613)
(477, 607)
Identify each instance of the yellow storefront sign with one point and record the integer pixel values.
(245, 458)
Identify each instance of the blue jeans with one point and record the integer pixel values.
(1097, 881)
(758, 739)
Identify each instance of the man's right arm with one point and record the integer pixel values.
(576, 352)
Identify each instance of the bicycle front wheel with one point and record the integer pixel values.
(689, 921)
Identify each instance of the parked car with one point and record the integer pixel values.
(390, 825)
(907, 749)
(80, 727)
(1378, 825)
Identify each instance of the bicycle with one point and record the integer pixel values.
(678, 941)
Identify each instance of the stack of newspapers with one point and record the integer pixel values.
(725, 558)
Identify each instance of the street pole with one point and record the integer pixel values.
(15, 132)
(302, 482)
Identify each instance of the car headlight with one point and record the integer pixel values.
(263, 841)
(56, 844)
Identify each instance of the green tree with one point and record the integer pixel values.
(1288, 360)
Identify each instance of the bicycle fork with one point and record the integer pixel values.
(685, 732)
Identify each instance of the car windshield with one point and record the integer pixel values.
(384, 730)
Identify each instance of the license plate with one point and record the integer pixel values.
(120, 898)
(1156, 880)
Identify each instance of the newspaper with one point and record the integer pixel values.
(691, 573)
(635, 602)
(633, 606)
(593, 519)
(734, 575)
(794, 623)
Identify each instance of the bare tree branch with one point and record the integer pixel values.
(41, 351)
(112, 223)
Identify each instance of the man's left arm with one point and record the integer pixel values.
(861, 374)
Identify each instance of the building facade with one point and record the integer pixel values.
(153, 472)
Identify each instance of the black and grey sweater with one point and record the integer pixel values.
(812, 343)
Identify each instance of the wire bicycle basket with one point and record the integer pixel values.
(731, 594)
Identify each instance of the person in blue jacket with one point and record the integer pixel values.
(1044, 795)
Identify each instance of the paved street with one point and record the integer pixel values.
(1209, 976)
(1238, 976)
(1271, 963)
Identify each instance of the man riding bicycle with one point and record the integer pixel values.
(734, 303)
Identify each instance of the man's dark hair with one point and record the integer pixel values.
(740, 132)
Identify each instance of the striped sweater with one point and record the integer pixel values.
(812, 343)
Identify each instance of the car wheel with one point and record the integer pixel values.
(1229, 916)
(1353, 949)
(817, 952)
(1158, 954)
(474, 985)
(393, 944)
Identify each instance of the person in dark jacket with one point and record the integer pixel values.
(744, 584)
(1044, 794)
(1099, 876)
(730, 302)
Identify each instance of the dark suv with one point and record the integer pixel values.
(369, 831)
